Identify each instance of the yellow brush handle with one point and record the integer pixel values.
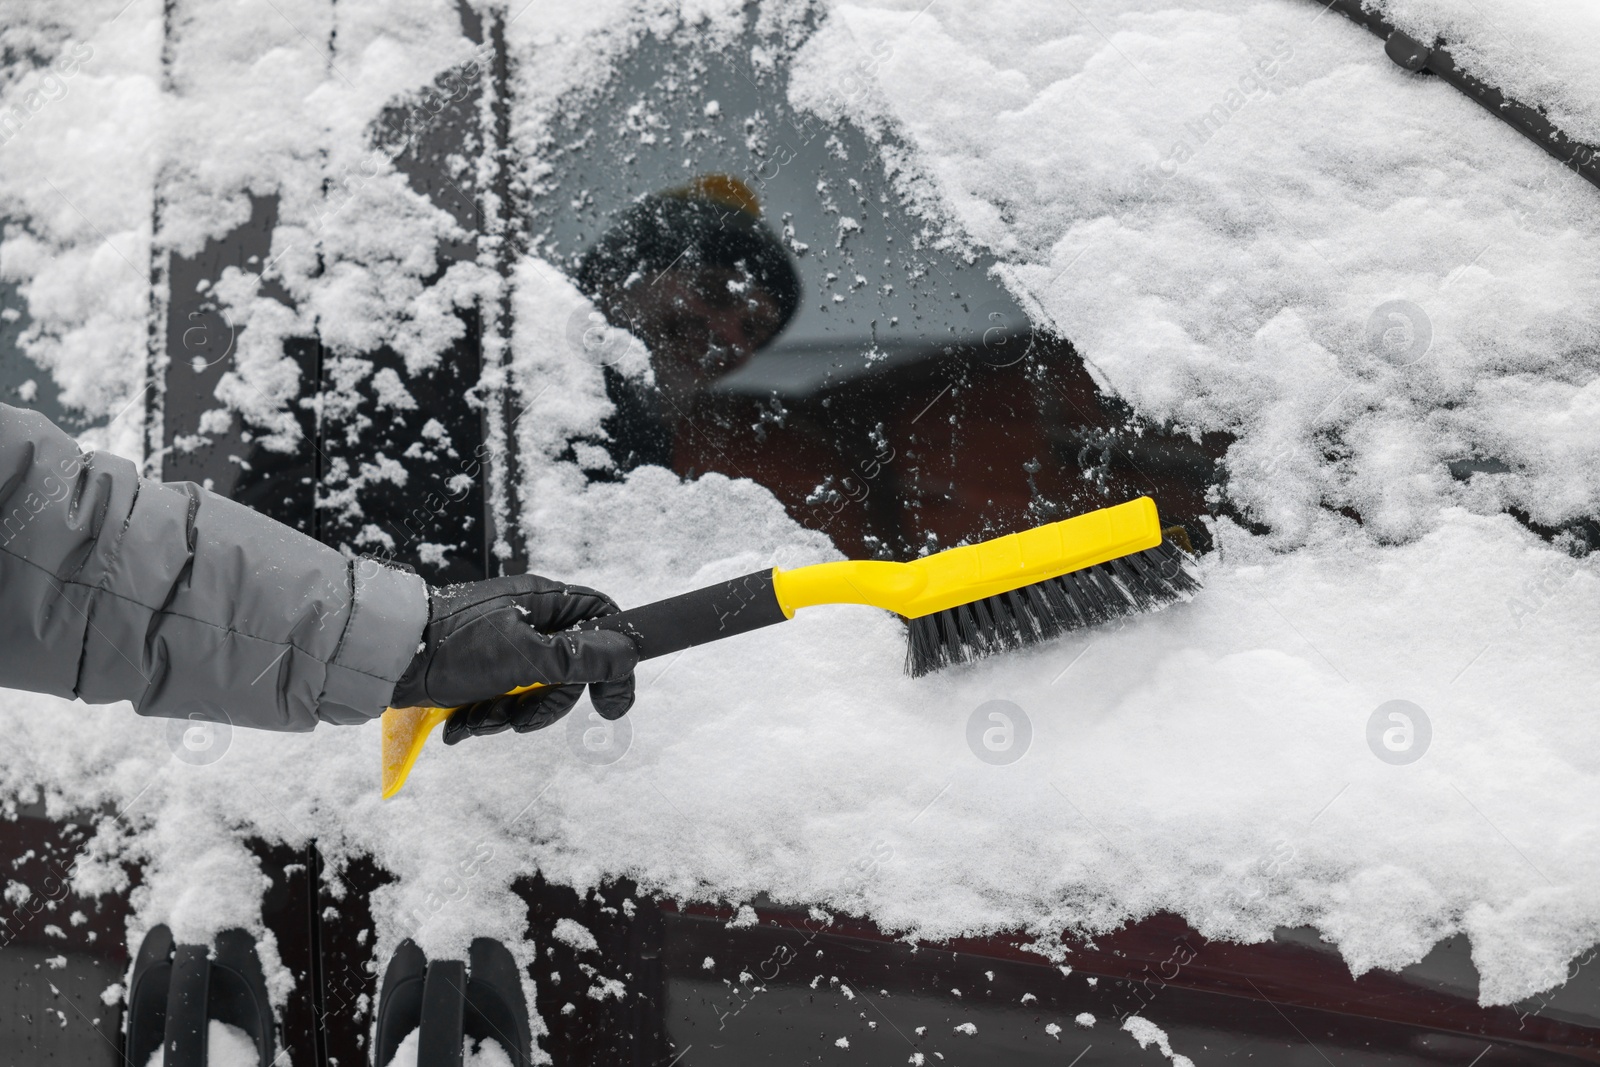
(405, 731)
(974, 572)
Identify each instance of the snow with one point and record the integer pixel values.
(488, 1053)
(1538, 52)
(574, 935)
(608, 987)
(79, 172)
(1148, 1033)
(227, 1046)
(1212, 760)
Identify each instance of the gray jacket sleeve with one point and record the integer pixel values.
(113, 587)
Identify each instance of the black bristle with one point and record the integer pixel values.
(1144, 581)
(1011, 627)
(1049, 625)
(1027, 628)
(986, 627)
(1095, 595)
(1067, 610)
(1132, 584)
(923, 645)
(965, 630)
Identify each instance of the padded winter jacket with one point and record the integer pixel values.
(114, 587)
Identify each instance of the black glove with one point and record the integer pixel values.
(485, 638)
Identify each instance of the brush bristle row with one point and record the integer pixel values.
(1133, 584)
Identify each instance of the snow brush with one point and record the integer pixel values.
(962, 604)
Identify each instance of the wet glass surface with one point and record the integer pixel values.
(59, 951)
(807, 330)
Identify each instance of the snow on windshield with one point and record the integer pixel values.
(1374, 720)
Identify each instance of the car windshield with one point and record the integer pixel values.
(808, 329)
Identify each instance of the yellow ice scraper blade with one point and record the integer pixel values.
(405, 731)
(975, 572)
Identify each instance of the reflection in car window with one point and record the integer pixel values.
(810, 331)
(696, 273)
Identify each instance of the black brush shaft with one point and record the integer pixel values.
(698, 617)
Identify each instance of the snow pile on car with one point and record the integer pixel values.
(1544, 53)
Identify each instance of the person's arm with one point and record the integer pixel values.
(114, 587)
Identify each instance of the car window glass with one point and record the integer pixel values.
(809, 330)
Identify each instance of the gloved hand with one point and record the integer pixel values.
(485, 638)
